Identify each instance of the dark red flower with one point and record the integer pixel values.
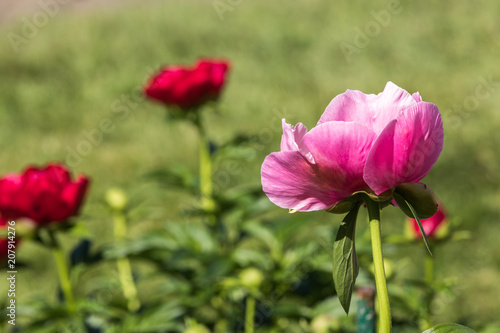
(188, 87)
(42, 195)
(3, 250)
(430, 225)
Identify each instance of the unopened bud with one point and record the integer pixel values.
(116, 198)
(420, 196)
(325, 324)
(251, 278)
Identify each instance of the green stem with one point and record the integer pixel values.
(249, 314)
(124, 268)
(384, 325)
(429, 270)
(62, 271)
(429, 279)
(206, 186)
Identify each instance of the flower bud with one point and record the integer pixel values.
(434, 226)
(420, 196)
(324, 324)
(116, 198)
(25, 227)
(251, 278)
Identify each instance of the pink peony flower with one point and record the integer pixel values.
(188, 87)
(362, 142)
(430, 225)
(43, 195)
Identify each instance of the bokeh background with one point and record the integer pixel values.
(63, 72)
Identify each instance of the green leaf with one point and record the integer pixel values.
(175, 176)
(449, 328)
(266, 236)
(252, 257)
(345, 260)
(405, 205)
(159, 319)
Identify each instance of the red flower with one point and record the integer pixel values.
(43, 195)
(430, 225)
(188, 87)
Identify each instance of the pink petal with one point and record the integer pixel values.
(416, 96)
(292, 139)
(340, 150)
(407, 148)
(290, 181)
(373, 111)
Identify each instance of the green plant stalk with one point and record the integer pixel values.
(123, 264)
(249, 314)
(384, 323)
(429, 270)
(206, 186)
(62, 271)
(429, 279)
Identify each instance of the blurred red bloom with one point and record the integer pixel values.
(430, 225)
(43, 195)
(188, 87)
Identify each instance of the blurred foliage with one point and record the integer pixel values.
(83, 67)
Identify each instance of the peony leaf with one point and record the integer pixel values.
(345, 260)
(449, 328)
(406, 206)
(176, 176)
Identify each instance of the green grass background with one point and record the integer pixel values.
(286, 59)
